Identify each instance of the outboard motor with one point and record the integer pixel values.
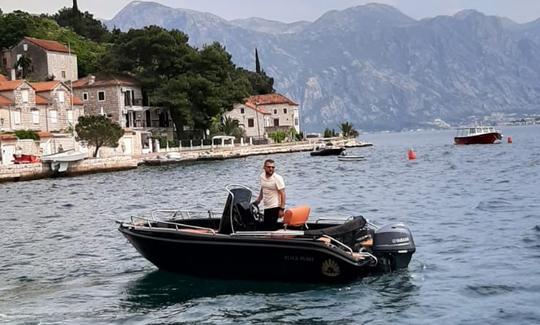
(393, 245)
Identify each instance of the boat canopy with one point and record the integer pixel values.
(470, 131)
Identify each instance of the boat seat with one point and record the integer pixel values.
(296, 216)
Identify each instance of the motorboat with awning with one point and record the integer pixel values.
(234, 245)
(477, 135)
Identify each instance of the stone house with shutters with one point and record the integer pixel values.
(263, 114)
(120, 98)
(58, 108)
(42, 106)
(49, 60)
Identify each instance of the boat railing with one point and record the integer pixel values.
(147, 222)
(157, 215)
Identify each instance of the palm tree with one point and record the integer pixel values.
(231, 127)
(346, 129)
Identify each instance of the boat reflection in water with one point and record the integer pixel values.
(235, 246)
(477, 135)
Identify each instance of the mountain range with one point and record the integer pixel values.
(374, 66)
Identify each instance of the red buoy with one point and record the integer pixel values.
(509, 139)
(411, 154)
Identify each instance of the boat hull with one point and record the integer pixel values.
(328, 152)
(486, 138)
(224, 256)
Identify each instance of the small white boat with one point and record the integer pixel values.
(350, 158)
(60, 160)
(64, 156)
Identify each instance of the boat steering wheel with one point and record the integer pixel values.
(256, 212)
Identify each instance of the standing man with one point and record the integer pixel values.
(272, 195)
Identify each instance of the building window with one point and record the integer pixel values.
(17, 116)
(53, 116)
(251, 122)
(276, 122)
(35, 116)
(85, 97)
(63, 75)
(284, 111)
(24, 94)
(19, 67)
(275, 111)
(296, 121)
(101, 96)
(70, 116)
(60, 96)
(241, 111)
(25, 47)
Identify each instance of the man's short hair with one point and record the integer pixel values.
(271, 161)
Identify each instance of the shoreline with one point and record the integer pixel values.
(41, 170)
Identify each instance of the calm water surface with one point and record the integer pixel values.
(474, 212)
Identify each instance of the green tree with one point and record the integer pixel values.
(278, 136)
(24, 64)
(82, 23)
(347, 130)
(231, 127)
(195, 84)
(328, 133)
(14, 26)
(98, 131)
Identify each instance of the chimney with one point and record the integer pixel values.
(91, 80)
(13, 74)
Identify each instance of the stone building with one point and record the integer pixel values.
(120, 98)
(42, 106)
(49, 60)
(263, 114)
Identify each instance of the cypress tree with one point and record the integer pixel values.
(257, 63)
(75, 7)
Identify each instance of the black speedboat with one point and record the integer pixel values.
(327, 151)
(234, 246)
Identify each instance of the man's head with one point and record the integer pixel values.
(269, 167)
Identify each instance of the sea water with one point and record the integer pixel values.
(474, 212)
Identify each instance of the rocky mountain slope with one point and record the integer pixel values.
(373, 65)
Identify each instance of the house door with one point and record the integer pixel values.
(7, 154)
(148, 119)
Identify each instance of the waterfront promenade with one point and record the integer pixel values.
(22, 172)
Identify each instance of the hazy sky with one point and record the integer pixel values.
(293, 10)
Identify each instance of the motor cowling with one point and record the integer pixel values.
(393, 245)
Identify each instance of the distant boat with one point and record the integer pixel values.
(327, 151)
(477, 135)
(345, 157)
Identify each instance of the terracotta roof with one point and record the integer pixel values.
(40, 100)
(255, 108)
(3, 78)
(10, 85)
(103, 79)
(4, 101)
(45, 85)
(44, 134)
(8, 136)
(48, 45)
(270, 99)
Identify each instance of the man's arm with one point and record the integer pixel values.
(259, 198)
(281, 194)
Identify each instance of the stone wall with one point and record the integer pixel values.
(62, 65)
(9, 173)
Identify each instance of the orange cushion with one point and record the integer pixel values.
(296, 216)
